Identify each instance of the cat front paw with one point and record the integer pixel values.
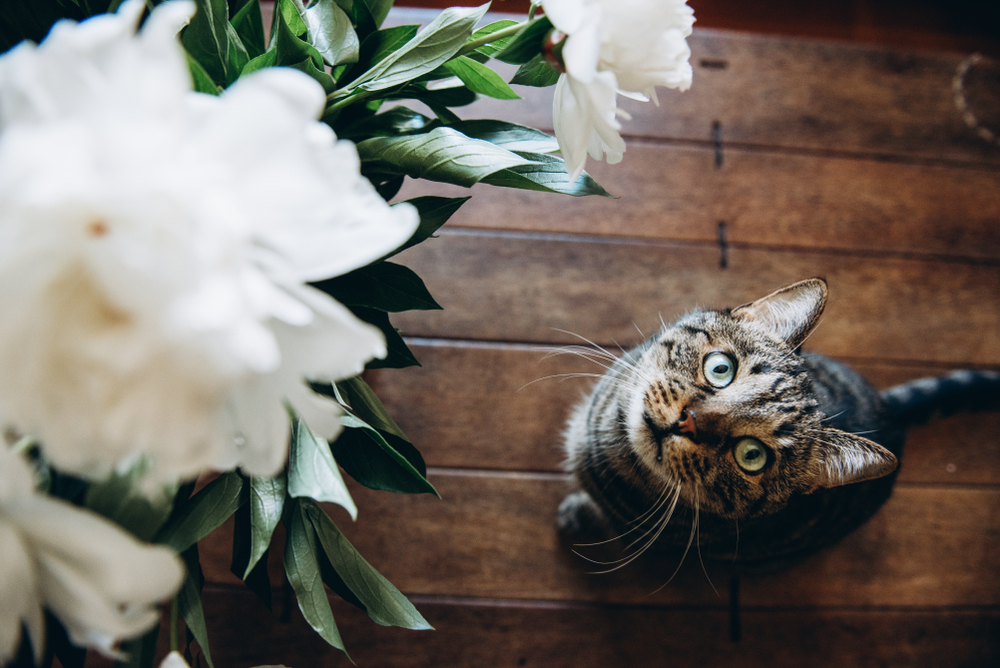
(579, 517)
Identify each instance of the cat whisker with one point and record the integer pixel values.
(852, 433)
(561, 377)
(833, 417)
(687, 548)
(628, 559)
(697, 518)
(638, 522)
(603, 359)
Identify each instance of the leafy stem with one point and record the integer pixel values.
(503, 33)
(174, 614)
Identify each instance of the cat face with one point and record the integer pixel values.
(722, 408)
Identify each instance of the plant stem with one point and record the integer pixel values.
(509, 31)
(345, 97)
(174, 614)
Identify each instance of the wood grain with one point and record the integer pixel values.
(764, 199)
(526, 289)
(492, 535)
(796, 94)
(477, 633)
(845, 161)
(514, 418)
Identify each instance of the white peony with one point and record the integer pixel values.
(99, 581)
(611, 47)
(155, 249)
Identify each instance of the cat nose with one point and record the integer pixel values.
(687, 424)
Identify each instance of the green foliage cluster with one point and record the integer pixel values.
(369, 74)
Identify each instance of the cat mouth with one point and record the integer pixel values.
(686, 426)
(660, 434)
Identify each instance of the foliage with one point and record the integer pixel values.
(372, 76)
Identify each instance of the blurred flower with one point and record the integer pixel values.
(613, 46)
(99, 581)
(156, 246)
(174, 660)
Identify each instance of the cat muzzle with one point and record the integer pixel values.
(688, 425)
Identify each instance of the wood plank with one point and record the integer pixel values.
(477, 633)
(509, 288)
(798, 94)
(774, 199)
(493, 536)
(504, 407)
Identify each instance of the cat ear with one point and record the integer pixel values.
(790, 313)
(845, 458)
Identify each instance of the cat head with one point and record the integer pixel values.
(726, 410)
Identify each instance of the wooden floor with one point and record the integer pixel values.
(959, 25)
(787, 159)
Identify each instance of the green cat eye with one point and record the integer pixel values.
(751, 456)
(719, 368)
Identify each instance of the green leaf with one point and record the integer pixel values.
(255, 577)
(249, 25)
(303, 571)
(206, 39)
(203, 513)
(289, 48)
(189, 601)
(32, 20)
(443, 155)
(381, 44)
(428, 49)
(434, 212)
(378, 9)
(312, 471)
(267, 502)
(331, 32)
(384, 286)
(290, 16)
(536, 72)
(546, 173)
(118, 499)
(493, 47)
(318, 73)
(399, 354)
(201, 80)
(266, 59)
(383, 602)
(481, 79)
(447, 96)
(238, 56)
(389, 188)
(527, 43)
(360, 399)
(513, 137)
(369, 458)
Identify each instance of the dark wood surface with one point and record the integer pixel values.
(839, 160)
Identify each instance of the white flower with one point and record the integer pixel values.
(99, 581)
(613, 46)
(174, 660)
(155, 249)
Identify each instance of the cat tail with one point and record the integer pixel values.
(918, 401)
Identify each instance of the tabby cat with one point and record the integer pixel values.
(717, 430)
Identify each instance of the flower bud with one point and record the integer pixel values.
(552, 49)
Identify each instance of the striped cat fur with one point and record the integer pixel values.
(717, 431)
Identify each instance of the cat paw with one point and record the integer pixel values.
(580, 517)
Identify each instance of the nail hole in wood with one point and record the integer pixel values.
(713, 63)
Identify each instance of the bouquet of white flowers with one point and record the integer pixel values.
(195, 227)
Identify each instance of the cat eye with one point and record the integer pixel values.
(719, 369)
(751, 456)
